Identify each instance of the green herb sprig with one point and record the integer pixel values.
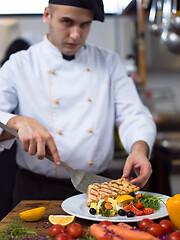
(16, 232)
(150, 201)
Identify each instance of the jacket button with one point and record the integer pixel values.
(53, 72)
(89, 99)
(90, 162)
(60, 133)
(56, 101)
(88, 69)
(90, 130)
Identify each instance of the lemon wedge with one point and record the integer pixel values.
(64, 220)
(124, 199)
(32, 215)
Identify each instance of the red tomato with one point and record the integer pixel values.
(139, 205)
(174, 236)
(75, 230)
(128, 207)
(167, 225)
(56, 229)
(156, 230)
(145, 223)
(105, 223)
(63, 236)
(136, 211)
(148, 211)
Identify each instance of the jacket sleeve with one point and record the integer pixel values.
(8, 97)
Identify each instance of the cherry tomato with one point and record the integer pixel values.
(63, 236)
(174, 236)
(75, 230)
(105, 223)
(136, 211)
(167, 225)
(139, 205)
(145, 223)
(156, 230)
(148, 211)
(128, 207)
(56, 229)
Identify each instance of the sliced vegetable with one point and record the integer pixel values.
(128, 207)
(147, 211)
(108, 205)
(132, 208)
(139, 205)
(93, 208)
(138, 196)
(136, 211)
(104, 211)
(149, 201)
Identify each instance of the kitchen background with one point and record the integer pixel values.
(160, 91)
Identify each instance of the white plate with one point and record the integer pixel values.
(76, 206)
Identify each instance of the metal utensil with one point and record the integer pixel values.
(154, 17)
(175, 19)
(79, 178)
(169, 38)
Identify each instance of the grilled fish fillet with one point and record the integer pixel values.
(114, 188)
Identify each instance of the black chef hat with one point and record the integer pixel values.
(96, 6)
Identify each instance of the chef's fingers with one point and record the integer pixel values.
(127, 169)
(53, 151)
(25, 143)
(140, 181)
(143, 174)
(41, 148)
(32, 147)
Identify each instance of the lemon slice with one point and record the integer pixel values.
(124, 199)
(32, 215)
(64, 220)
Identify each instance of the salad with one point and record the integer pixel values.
(129, 205)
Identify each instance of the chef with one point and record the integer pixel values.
(66, 96)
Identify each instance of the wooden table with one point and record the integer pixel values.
(41, 227)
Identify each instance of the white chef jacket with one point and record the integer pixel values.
(78, 101)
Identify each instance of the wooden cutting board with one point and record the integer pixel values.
(42, 226)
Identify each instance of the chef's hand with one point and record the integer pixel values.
(138, 161)
(35, 138)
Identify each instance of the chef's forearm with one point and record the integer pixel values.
(11, 123)
(5, 136)
(140, 146)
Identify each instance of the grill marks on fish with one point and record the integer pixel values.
(114, 188)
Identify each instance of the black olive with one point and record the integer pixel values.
(92, 211)
(122, 212)
(130, 214)
(132, 194)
